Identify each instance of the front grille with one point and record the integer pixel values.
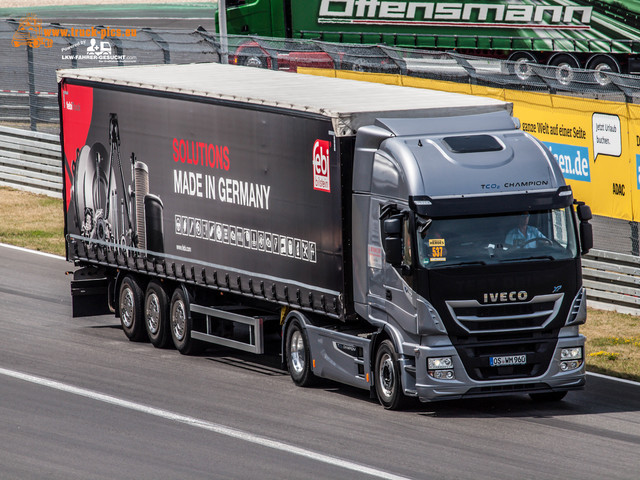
(538, 351)
(535, 314)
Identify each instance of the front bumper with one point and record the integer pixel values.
(419, 383)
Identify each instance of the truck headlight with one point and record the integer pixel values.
(441, 368)
(571, 353)
(570, 358)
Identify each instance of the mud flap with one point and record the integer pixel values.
(89, 292)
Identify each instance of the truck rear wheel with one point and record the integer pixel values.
(180, 323)
(130, 307)
(387, 377)
(156, 315)
(298, 356)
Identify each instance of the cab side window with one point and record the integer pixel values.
(407, 250)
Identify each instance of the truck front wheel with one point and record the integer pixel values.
(298, 356)
(156, 315)
(130, 308)
(387, 377)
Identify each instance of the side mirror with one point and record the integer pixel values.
(586, 237)
(584, 212)
(392, 226)
(392, 243)
(586, 229)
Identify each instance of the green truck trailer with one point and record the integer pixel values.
(601, 35)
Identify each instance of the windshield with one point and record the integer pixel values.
(536, 235)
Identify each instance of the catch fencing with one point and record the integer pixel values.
(28, 90)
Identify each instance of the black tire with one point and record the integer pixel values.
(130, 300)
(156, 315)
(521, 66)
(299, 356)
(180, 323)
(547, 397)
(565, 64)
(387, 378)
(253, 57)
(601, 64)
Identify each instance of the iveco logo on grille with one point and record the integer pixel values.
(503, 297)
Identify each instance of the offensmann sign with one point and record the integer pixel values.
(512, 15)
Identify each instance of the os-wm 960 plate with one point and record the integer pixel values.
(507, 361)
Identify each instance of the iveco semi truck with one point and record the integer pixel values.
(372, 229)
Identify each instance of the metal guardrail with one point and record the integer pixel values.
(30, 161)
(612, 281)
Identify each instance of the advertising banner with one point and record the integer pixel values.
(596, 142)
(589, 139)
(206, 185)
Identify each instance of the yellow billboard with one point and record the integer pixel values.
(596, 142)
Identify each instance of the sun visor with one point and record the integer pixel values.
(466, 205)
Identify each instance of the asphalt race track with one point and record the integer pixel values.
(79, 401)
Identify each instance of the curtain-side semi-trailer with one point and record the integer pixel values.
(409, 242)
(602, 35)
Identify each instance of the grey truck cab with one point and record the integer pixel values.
(475, 302)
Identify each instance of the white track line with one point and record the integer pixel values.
(44, 254)
(202, 424)
(621, 380)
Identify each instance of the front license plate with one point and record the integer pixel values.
(508, 360)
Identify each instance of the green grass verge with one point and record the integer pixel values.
(31, 221)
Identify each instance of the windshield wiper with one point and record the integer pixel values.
(472, 262)
(533, 257)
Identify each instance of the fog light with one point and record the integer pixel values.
(442, 374)
(439, 363)
(570, 365)
(571, 353)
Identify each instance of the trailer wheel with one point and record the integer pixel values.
(180, 323)
(156, 315)
(565, 64)
(298, 356)
(387, 377)
(603, 64)
(130, 307)
(521, 66)
(547, 397)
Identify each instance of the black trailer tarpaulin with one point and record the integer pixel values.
(239, 191)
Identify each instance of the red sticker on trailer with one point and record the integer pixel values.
(321, 179)
(77, 109)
